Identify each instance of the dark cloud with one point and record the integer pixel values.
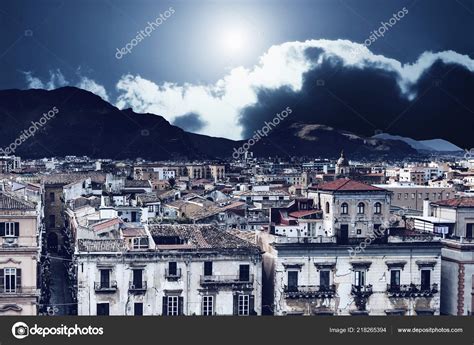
(367, 100)
(190, 122)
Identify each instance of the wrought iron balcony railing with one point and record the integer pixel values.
(110, 286)
(137, 287)
(226, 279)
(310, 291)
(412, 290)
(173, 274)
(361, 290)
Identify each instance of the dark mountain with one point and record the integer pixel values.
(87, 125)
(314, 140)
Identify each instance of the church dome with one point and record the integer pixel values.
(342, 161)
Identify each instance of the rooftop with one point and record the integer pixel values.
(200, 237)
(457, 202)
(13, 202)
(346, 185)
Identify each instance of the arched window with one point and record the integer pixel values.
(361, 208)
(377, 208)
(327, 207)
(344, 208)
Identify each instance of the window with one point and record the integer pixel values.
(344, 208)
(51, 196)
(292, 281)
(52, 221)
(406, 196)
(207, 305)
(151, 208)
(208, 268)
(138, 308)
(140, 243)
(324, 279)
(399, 196)
(327, 207)
(359, 278)
(10, 229)
(361, 208)
(173, 305)
(425, 279)
(395, 279)
(359, 232)
(413, 195)
(102, 309)
(244, 273)
(137, 278)
(10, 280)
(105, 278)
(378, 208)
(243, 305)
(172, 268)
(469, 230)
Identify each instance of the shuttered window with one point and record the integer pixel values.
(9, 229)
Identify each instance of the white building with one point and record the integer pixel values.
(398, 275)
(169, 270)
(351, 208)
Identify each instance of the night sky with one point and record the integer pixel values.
(224, 67)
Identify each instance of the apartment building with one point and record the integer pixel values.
(20, 241)
(410, 196)
(397, 274)
(167, 270)
(453, 221)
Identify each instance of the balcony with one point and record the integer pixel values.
(361, 291)
(105, 287)
(226, 280)
(411, 290)
(173, 274)
(20, 290)
(137, 287)
(310, 291)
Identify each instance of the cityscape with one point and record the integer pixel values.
(254, 236)
(236, 158)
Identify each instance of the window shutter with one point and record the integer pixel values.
(2, 229)
(236, 304)
(17, 229)
(2, 280)
(165, 306)
(252, 305)
(180, 305)
(18, 278)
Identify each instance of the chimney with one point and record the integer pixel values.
(426, 208)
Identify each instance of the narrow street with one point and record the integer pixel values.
(60, 296)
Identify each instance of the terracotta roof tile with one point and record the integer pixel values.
(457, 202)
(346, 185)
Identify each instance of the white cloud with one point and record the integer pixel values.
(90, 85)
(57, 79)
(219, 104)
